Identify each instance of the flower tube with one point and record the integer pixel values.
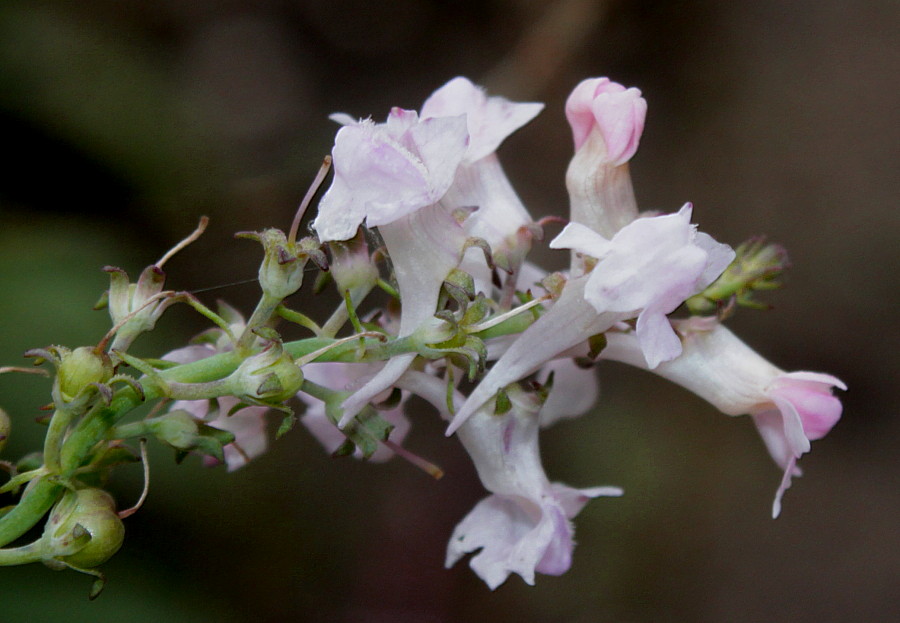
(607, 121)
(524, 526)
(393, 176)
(790, 409)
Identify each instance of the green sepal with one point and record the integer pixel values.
(97, 586)
(596, 344)
(476, 312)
(542, 390)
(364, 431)
(182, 431)
(345, 449)
(287, 425)
(30, 462)
(460, 285)
(502, 403)
(267, 333)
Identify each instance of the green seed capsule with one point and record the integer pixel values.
(84, 529)
(81, 367)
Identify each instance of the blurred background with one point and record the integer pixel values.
(126, 121)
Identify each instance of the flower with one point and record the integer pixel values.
(607, 121)
(790, 409)
(383, 172)
(649, 268)
(393, 175)
(524, 526)
(499, 216)
(136, 307)
(598, 105)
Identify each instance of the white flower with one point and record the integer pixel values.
(607, 121)
(648, 269)
(790, 409)
(524, 526)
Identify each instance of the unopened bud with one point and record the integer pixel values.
(178, 429)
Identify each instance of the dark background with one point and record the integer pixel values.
(123, 122)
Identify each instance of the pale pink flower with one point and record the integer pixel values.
(607, 121)
(524, 526)
(648, 269)
(393, 176)
(790, 409)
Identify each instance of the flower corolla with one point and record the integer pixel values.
(607, 121)
(524, 526)
(790, 409)
(649, 268)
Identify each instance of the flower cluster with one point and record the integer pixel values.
(420, 211)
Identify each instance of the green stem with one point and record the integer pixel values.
(33, 552)
(41, 494)
(264, 311)
(59, 423)
(38, 499)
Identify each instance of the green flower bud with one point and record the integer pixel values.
(270, 376)
(81, 367)
(83, 530)
(178, 429)
(281, 271)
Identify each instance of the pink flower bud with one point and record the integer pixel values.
(618, 113)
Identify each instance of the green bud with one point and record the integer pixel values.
(281, 271)
(178, 429)
(270, 376)
(83, 529)
(81, 367)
